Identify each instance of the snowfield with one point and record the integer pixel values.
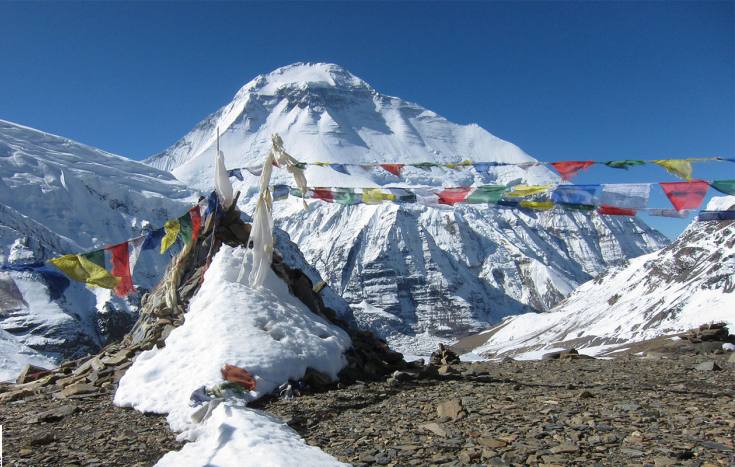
(264, 330)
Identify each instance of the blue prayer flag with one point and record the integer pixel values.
(237, 173)
(341, 168)
(575, 194)
(716, 215)
(153, 239)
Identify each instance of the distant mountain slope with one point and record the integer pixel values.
(56, 197)
(414, 274)
(688, 283)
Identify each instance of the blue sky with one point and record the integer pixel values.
(563, 80)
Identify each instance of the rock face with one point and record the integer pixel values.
(687, 284)
(414, 274)
(58, 196)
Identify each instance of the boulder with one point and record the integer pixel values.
(708, 366)
(31, 373)
(451, 409)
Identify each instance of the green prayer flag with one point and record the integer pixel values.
(577, 207)
(346, 196)
(489, 194)
(185, 228)
(96, 257)
(424, 165)
(624, 164)
(724, 186)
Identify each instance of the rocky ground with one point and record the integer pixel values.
(629, 411)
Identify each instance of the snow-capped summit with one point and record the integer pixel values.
(413, 274)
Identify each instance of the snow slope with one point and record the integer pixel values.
(431, 272)
(56, 197)
(686, 284)
(264, 330)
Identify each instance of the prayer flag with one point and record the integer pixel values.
(135, 246)
(212, 206)
(347, 196)
(486, 194)
(481, 167)
(79, 268)
(724, 186)
(296, 192)
(341, 168)
(222, 184)
(185, 228)
(577, 207)
(716, 216)
(568, 169)
(424, 165)
(324, 194)
(237, 173)
(685, 195)
(402, 195)
(97, 257)
(668, 213)
(624, 164)
(395, 169)
(153, 239)
(196, 222)
(615, 211)
(279, 192)
(538, 205)
(575, 194)
(426, 197)
(453, 195)
(527, 190)
(626, 195)
(172, 228)
(680, 168)
(509, 203)
(120, 260)
(375, 196)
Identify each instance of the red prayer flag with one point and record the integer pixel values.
(568, 169)
(395, 169)
(323, 194)
(196, 222)
(685, 195)
(239, 376)
(453, 195)
(615, 211)
(120, 261)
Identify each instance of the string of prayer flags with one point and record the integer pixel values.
(568, 169)
(120, 260)
(624, 164)
(453, 195)
(81, 269)
(575, 194)
(172, 228)
(680, 168)
(724, 186)
(716, 215)
(626, 195)
(615, 211)
(522, 191)
(395, 169)
(486, 194)
(685, 195)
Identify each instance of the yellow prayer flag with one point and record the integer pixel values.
(519, 191)
(172, 228)
(680, 168)
(538, 205)
(375, 196)
(81, 269)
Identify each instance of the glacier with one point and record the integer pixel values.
(415, 275)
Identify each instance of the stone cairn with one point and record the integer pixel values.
(164, 309)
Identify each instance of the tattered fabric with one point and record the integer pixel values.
(120, 260)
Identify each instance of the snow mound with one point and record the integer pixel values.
(266, 331)
(720, 203)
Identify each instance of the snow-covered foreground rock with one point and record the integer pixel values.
(412, 274)
(58, 196)
(266, 331)
(689, 283)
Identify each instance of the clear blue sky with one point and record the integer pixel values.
(562, 80)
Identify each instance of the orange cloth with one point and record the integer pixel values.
(237, 375)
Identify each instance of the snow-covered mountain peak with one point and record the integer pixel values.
(304, 76)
